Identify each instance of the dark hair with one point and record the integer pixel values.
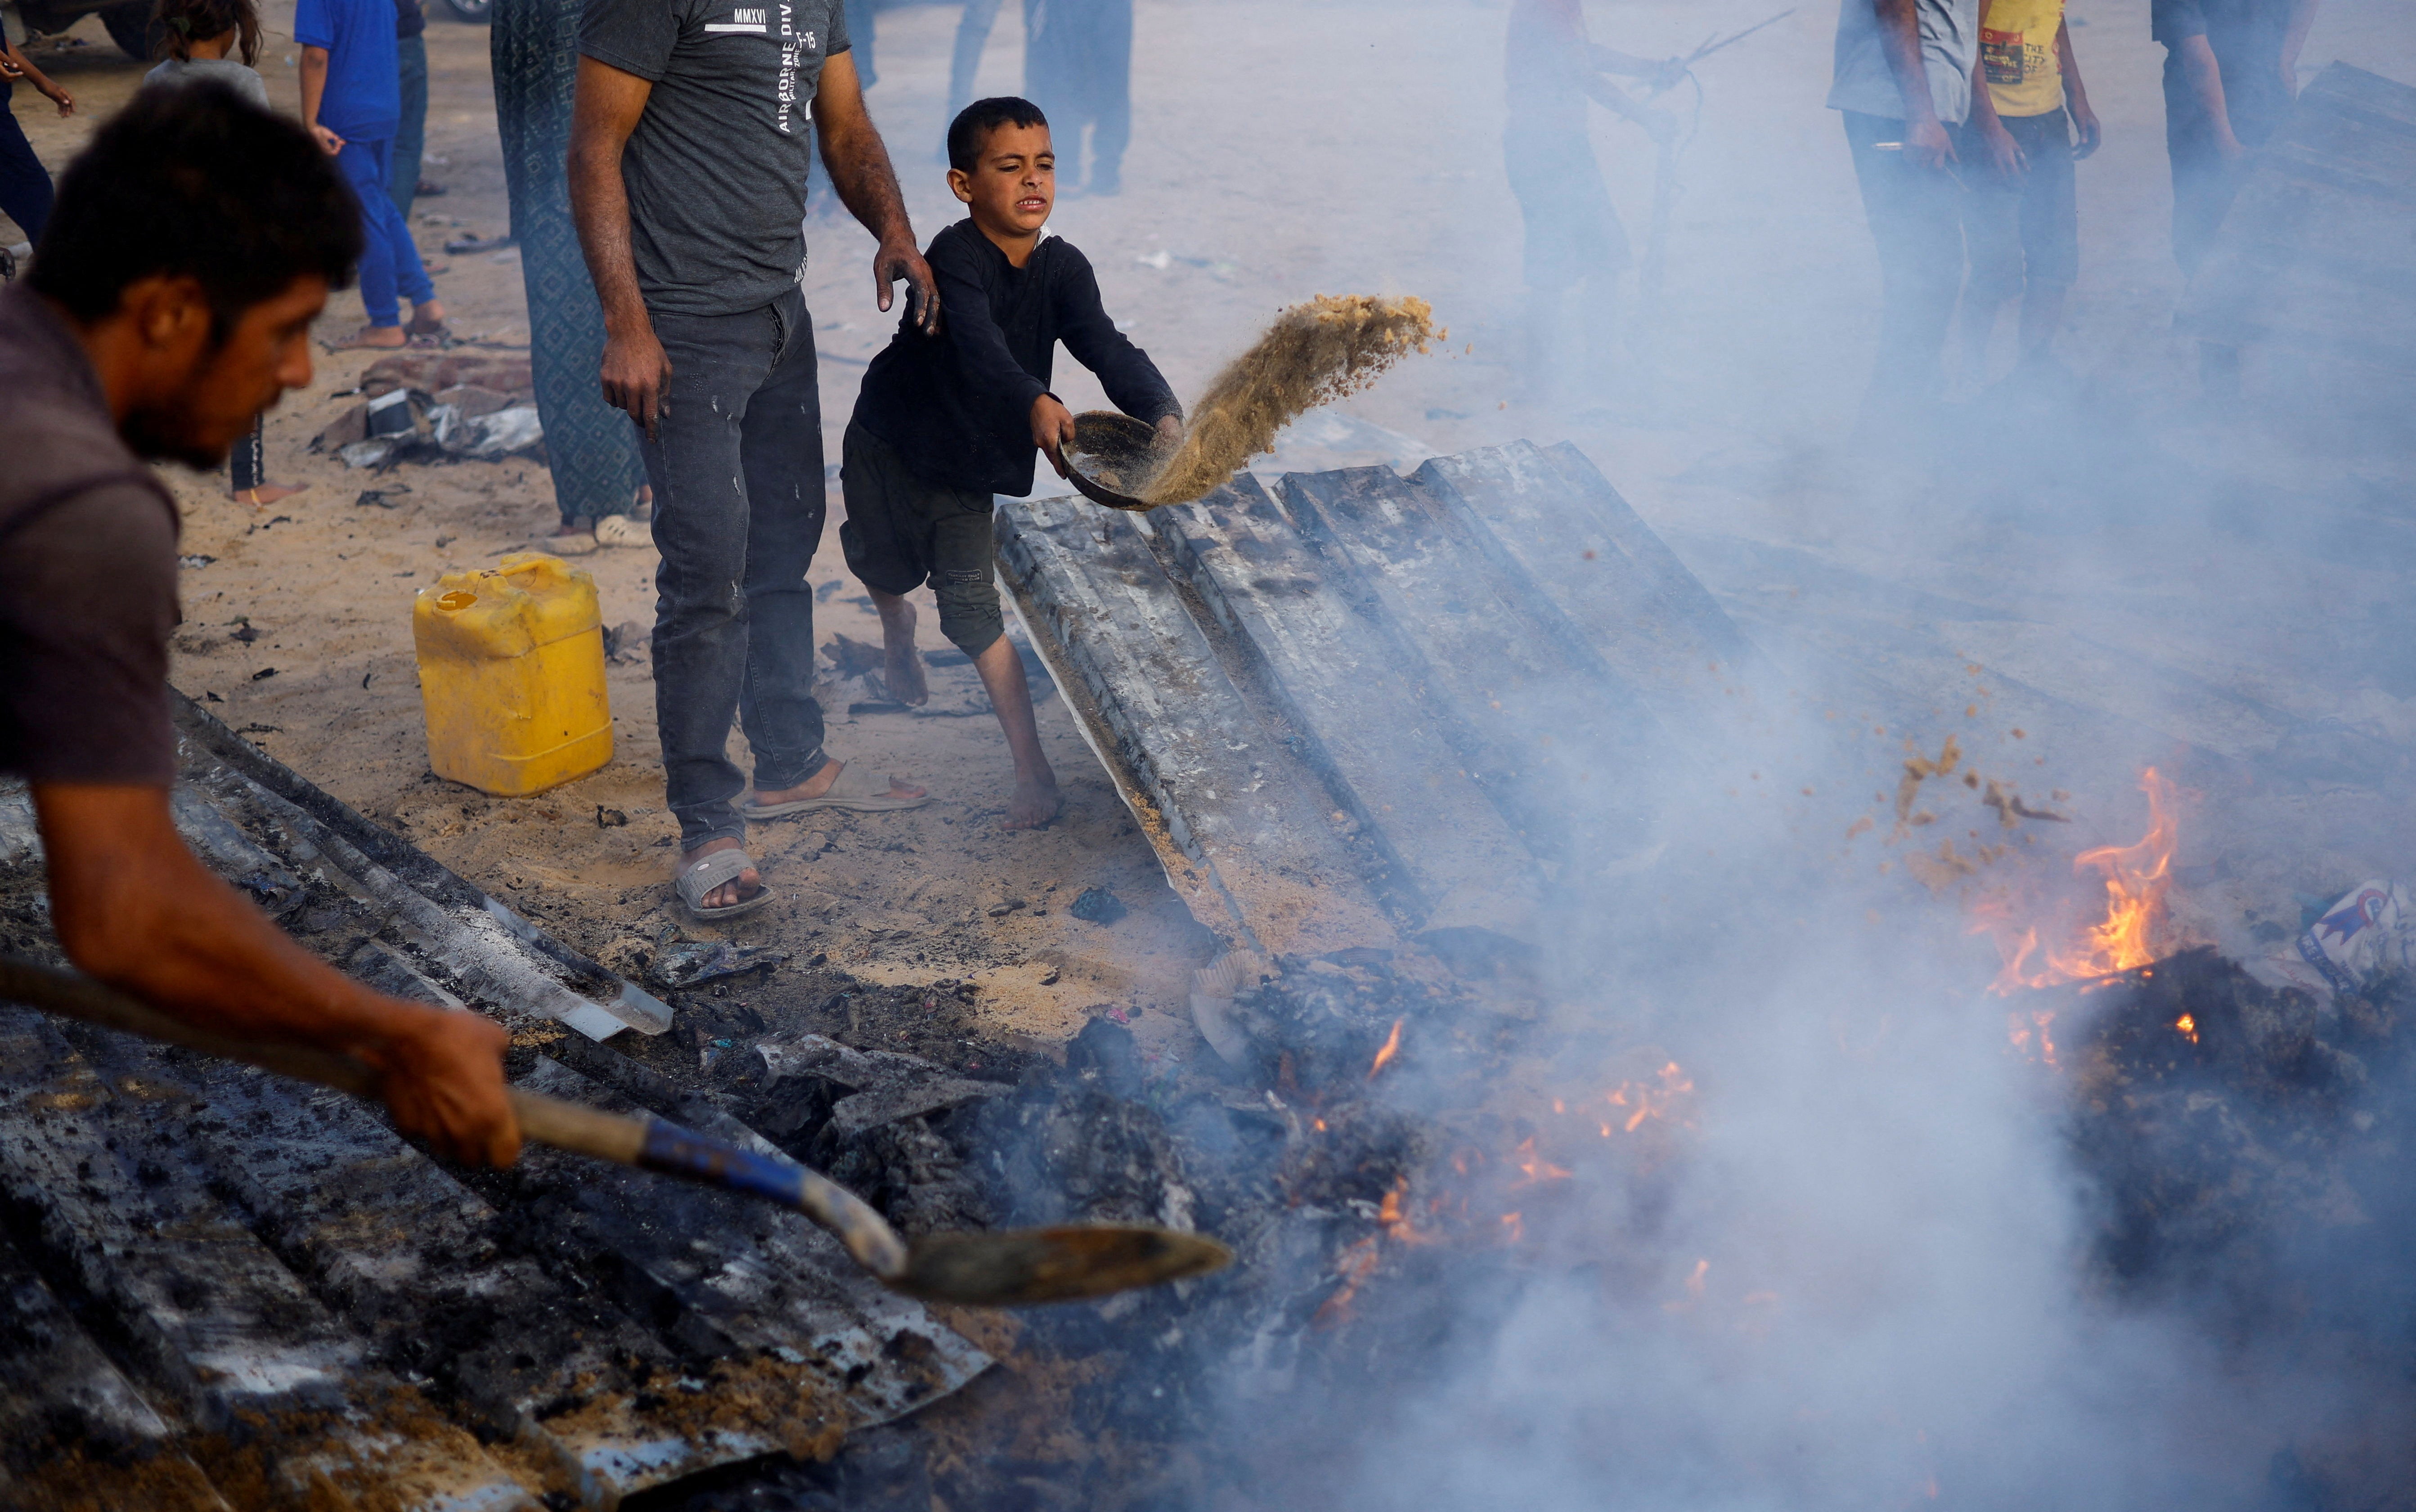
(970, 131)
(195, 182)
(182, 22)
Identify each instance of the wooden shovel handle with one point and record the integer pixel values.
(645, 1143)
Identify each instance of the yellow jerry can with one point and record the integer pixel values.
(511, 673)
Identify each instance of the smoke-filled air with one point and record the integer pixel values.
(1551, 754)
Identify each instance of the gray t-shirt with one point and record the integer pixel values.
(717, 168)
(244, 81)
(1950, 44)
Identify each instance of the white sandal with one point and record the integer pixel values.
(696, 881)
(620, 529)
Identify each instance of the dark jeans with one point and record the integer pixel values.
(411, 137)
(24, 184)
(737, 469)
(2023, 230)
(1917, 216)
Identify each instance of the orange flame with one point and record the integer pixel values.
(1536, 1168)
(1649, 1099)
(2136, 878)
(2187, 1025)
(1392, 1047)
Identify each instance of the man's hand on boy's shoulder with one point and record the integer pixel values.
(1053, 430)
(898, 259)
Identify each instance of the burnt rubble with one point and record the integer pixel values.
(1367, 1213)
(2246, 1143)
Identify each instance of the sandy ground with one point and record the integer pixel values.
(1280, 150)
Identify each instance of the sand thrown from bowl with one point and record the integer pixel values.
(1314, 353)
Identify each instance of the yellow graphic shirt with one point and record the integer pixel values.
(2018, 55)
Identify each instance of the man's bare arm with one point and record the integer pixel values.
(2004, 153)
(605, 110)
(1925, 141)
(136, 910)
(1659, 124)
(2075, 95)
(2205, 77)
(868, 186)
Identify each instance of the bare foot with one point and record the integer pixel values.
(819, 783)
(747, 884)
(902, 668)
(268, 493)
(1035, 805)
(375, 338)
(428, 319)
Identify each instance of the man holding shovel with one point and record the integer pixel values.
(190, 248)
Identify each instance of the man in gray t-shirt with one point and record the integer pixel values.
(690, 144)
(1903, 76)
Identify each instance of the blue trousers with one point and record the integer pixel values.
(24, 185)
(390, 261)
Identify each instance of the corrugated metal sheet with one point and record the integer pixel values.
(217, 1288)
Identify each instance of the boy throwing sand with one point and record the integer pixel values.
(945, 421)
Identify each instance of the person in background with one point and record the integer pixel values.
(590, 447)
(210, 40)
(2030, 121)
(2231, 71)
(24, 182)
(352, 102)
(410, 84)
(1903, 78)
(1077, 68)
(200, 35)
(1574, 239)
(193, 242)
(964, 62)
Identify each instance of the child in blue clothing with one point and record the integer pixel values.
(352, 101)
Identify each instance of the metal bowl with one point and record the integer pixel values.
(1110, 446)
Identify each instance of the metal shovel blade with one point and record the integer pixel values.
(1028, 1265)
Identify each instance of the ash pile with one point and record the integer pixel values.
(1352, 1154)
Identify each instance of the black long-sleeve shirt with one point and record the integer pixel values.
(958, 407)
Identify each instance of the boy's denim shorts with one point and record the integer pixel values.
(901, 531)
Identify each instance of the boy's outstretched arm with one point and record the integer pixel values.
(1133, 382)
(868, 186)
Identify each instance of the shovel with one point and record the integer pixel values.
(993, 1270)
